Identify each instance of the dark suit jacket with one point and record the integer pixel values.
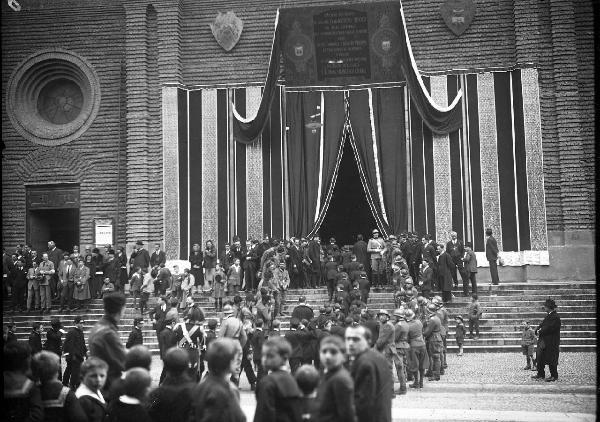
(159, 315)
(256, 341)
(336, 397)
(427, 279)
(360, 250)
(278, 398)
(53, 341)
(75, 344)
(491, 249)
(314, 254)
(140, 258)
(166, 339)
(445, 267)
(429, 255)
(35, 342)
(55, 256)
(373, 385)
(135, 337)
(303, 312)
(157, 259)
(172, 400)
(456, 252)
(214, 401)
(549, 339)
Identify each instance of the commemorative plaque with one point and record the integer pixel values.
(342, 45)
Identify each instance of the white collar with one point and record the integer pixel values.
(83, 390)
(129, 400)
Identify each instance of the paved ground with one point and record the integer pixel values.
(489, 387)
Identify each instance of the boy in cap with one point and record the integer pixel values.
(474, 312)
(460, 333)
(528, 341)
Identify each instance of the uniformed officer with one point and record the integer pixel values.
(435, 345)
(386, 341)
(401, 342)
(443, 315)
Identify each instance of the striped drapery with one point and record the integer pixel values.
(487, 174)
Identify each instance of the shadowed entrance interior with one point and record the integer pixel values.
(348, 213)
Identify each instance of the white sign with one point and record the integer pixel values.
(103, 232)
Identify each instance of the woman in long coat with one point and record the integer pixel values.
(548, 346)
(81, 293)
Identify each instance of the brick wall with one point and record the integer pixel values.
(95, 31)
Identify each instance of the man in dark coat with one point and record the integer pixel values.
(158, 257)
(303, 311)
(360, 250)
(35, 338)
(75, 352)
(456, 249)
(166, 339)
(54, 340)
(54, 256)
(445, 268)
(158, 314)
(314, 255)
(373, 382)
(104, 340)
(140, 256)
(548, 346)
(135, 336)
(491, 253)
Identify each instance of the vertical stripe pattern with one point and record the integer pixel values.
(489, 155)
(195, 158)
(535, 166)
(254, 173)
(210, 186)
(441, 166)
(170, 125)
(182, 100)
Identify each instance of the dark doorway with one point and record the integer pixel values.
(60, 225)
(349, 213)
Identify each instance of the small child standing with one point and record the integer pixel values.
(107, 287)
(277, 394)
(59, 401)
(130, 406)
(460, 334)
(146, 291)
(307, 378)
(233, 277)
(219, 287)
(93, 377)
(527, 344)
(474, 313)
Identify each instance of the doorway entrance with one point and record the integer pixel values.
(53, 214)
(348, 213)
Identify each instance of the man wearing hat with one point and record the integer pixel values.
(140, 256)
(386, 341)
(417, 359)
(75, 352)
(470, 269)
(435, 344)
(548, 346)
(375, 248)
(401, 342)
(166, 340)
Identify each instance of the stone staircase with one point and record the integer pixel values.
(504, 307)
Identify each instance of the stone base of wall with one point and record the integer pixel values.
(572, 257)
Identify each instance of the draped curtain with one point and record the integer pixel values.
(313, 157)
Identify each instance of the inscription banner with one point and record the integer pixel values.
(342, 45)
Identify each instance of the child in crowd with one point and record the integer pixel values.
(135, 336)
(275, 328)
(233, 277)
(219, 287)
(277, 394)
(460, 333)
(107, 287)
(474, 313)
(93, 377)
(528, 341)
(137, 357)
(216, 398)
(307, 378)
(130, 406)
(135, 283)
(336, 390)
(146, 291)
(22, 399)
(60, 403)
(330, 273)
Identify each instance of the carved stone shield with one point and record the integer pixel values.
(458, 15)
(227, 29)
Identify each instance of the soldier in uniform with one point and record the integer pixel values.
(375, 248)
(435, 344)
(443, 315)
(402, 346)
(417, 358)
(386, 341)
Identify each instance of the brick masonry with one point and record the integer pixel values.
(135, 48)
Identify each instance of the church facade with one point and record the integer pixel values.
(117, 126)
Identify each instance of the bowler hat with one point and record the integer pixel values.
(550, 303)
(139, 242)
(227, 309)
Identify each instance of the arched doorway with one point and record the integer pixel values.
(348, 213)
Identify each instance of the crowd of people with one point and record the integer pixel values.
(326, 368)
(68, 280)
